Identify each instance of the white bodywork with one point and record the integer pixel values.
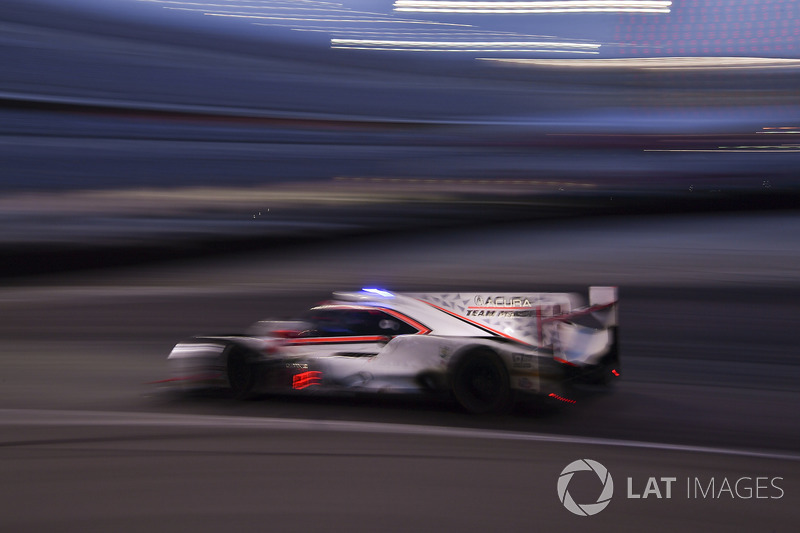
(412, 341)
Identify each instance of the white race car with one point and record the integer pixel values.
(483, 348)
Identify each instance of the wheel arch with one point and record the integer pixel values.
(472, 350)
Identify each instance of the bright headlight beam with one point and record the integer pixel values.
(379, 292)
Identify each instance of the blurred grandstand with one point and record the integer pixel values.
(127, 122)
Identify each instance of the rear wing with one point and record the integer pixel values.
(529, 318)
(603, 303)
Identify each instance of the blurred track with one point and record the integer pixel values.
(78, 475)
(709, 309)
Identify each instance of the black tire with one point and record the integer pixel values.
(480, 383)
(241, 374)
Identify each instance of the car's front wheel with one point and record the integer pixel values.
(241, 373)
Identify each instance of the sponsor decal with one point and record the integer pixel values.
(521, 360)
(501, 301)
(499, 314)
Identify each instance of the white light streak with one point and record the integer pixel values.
(476, 33)
(561, 6)
(658, 63)
(457, 44)
(757, 150)
(465, 46)
(793, 130)
(293, 9)
(473, 50)
(261, 5)
(329, 13)
(333, 18)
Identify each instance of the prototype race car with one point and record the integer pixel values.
(483, 348)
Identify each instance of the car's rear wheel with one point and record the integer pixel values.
(480, 383)
(241, 374)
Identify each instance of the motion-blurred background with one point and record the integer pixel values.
(167, 126)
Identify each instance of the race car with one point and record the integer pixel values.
(483, 349)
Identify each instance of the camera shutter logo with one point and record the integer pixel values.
(587, 509)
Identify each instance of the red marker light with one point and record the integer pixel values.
(306, 379)
(561, 398)
(615, 372)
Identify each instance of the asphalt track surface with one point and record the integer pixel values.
(709, 392)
